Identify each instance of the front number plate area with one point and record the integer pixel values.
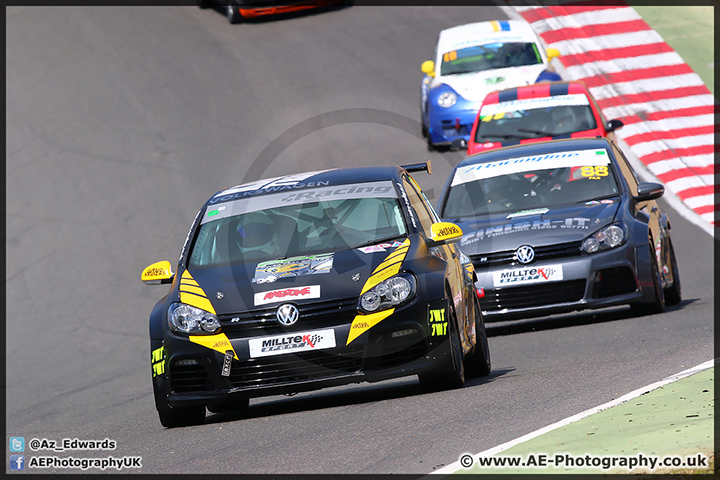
(291, 343)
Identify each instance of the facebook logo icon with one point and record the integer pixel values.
(17, 462)
(17, 444)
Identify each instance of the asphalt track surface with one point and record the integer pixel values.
(122, 121)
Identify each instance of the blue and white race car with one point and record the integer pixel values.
(471, 61)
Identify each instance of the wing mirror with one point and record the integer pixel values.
(613, 125)
(158, 273)
(458, 143)
(428, 68)
(552, 53)
(444, 233)
(649, 191)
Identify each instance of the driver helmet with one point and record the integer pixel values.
(563, 115)
(257, 233)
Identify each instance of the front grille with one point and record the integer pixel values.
(528, 296)
(189, 378)
(290, 367)
(614, 281)
(547, 252)
(312, 315)
(449, 129)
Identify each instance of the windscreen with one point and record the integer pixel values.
(306, 222)
(479, 58)
(535, 118)
(523, 183)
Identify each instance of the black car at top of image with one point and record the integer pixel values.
(312, 280)
(238, 10)
(560, 226)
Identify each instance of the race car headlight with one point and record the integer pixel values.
(188, 319)
(608, 237)
(447, 99)
(389, 293)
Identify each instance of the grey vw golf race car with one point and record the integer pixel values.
(560, 226)
(312, 280)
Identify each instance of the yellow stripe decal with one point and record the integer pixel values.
(388, 267)
(193, 296)
(196, 301)
(362, 323)
(191, 289)
(219, 342)
(495, 25)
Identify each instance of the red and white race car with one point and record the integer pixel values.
(539, 112)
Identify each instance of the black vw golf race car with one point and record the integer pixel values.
(312, 280)
(560, 226)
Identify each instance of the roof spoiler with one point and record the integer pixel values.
(419, 167)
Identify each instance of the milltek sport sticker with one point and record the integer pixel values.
(273, 296)
(291, 343)
(520, 276)
(268, 272)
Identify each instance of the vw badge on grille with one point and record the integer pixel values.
(287, 314)
(525, 254)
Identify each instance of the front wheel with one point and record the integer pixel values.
(181, 417)
(658, 303)
(450, 371)
(673, 294)
(478, 364)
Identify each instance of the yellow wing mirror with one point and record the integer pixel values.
(428, 68)
(552, 53)
(157, 273)
(444, 233)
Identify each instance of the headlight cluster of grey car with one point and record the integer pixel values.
(608, 237)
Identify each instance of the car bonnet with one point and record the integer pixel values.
(476, 86)
(321, 277)
(537, 227)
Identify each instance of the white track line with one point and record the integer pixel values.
(634, 394)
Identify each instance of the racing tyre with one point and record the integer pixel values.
(181, 417)
(478, 364)
(658, 304)
(203, 3)
(673, 294)
(450, 373)
(229, 406)
(233, 13)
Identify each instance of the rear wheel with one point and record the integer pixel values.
(478, 364)
(450, 371)
(181, 417)
(203, 3)
(673, 294)
(658, 303)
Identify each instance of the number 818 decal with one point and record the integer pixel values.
(594, 172)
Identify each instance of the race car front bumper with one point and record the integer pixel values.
(448, 124)
(223, 369)
(575, 283)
